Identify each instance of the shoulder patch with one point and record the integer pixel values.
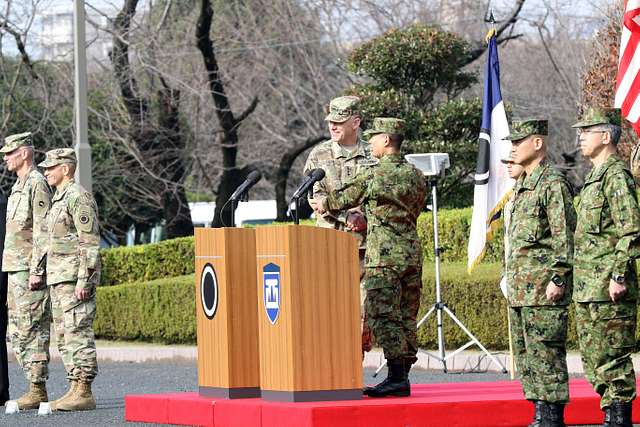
(84, 217)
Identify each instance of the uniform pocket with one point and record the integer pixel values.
(592, 215)
(620, 322)
(527, 220)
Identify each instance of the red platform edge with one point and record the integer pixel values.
(476, 404)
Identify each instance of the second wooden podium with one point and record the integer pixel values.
(309, 317)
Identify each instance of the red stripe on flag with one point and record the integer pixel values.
(626, 58)
(630, 49)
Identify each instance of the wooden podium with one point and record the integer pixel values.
(227, 312)
(309, 314)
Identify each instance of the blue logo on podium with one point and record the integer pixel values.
(271, 284)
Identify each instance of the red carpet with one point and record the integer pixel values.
(454, 404)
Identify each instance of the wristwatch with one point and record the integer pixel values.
(618, 278)
(557, 280)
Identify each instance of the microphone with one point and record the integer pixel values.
(251, 180)
(314, 176)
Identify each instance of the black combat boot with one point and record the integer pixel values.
(553, 416)
(607, 417)
(537, 415)
(408, 363)
(396, 383)
(620, 414)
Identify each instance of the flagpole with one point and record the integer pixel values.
(512, 364)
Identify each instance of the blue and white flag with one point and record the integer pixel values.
(492, 182)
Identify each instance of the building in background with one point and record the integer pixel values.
(53, 33)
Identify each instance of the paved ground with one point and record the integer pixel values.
(119, 378)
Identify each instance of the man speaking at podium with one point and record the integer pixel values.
(342, 158)
(392, 195)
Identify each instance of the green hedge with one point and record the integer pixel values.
(172, 258)
(476, 300)
(158, 311)
(140, 263)
(164, 310)
(453, 233)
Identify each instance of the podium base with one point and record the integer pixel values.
(311, 396)
(230, 393)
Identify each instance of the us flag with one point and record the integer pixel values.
(628, 86)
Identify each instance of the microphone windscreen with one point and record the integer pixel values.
(318, 174)
(254, 176)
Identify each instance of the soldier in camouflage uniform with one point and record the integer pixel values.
(73, 272)
(514, 170)
(392, 195)
(539, 265)
(342, 158)
(28, 301)
(607, 242)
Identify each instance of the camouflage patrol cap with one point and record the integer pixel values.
(58, 156)
(342, 108)
(599, 116)
(388, 125)
(13, 142)
(521, 129)
(507, 159)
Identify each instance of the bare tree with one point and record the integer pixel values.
(161, 141)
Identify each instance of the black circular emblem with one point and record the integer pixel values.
(209, 291)
(41, 203)
(84, 219)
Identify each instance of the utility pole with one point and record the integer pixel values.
(82, 147)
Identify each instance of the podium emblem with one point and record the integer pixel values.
(271, 285)
(209, 291)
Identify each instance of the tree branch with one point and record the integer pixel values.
(26, 60)
(479, 47)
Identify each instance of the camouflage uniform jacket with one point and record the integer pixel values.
(540, 237)
(607, 238)
(339, 169)
(73, 238)
(27, 208)
(392, 195)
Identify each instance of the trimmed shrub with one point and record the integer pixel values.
(175, 257)
(476, 300)
(164, 310)
(140, 263)
(158, 311)
(453, 228)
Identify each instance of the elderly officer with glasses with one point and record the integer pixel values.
(605, 280)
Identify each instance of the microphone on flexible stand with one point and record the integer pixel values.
(313, 176)
(242, 193)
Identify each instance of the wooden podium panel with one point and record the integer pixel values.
(310, 347)
(227, 312)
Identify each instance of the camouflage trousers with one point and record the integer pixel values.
(539, 336)
(391, 306)
(607, 337)
(29, 326)
(73, 326)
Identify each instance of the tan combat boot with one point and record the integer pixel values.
(80, 400)
(72, 388)
(31, 400)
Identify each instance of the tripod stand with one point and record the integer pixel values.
(439, 307)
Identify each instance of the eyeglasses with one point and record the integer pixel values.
(581, 131)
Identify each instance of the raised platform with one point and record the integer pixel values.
(454, 404)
